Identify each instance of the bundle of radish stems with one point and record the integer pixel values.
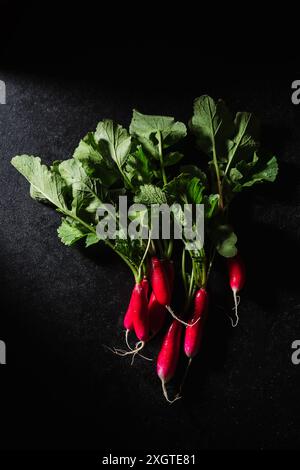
(143, 163)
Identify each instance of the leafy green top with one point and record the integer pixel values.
(113, 161)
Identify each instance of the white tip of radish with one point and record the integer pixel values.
(126, 339)
(163, 384)
(236, 298)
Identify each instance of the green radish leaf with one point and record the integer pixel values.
(54, 168)
(73, 172)
(147, 128)
(132, 249)
(247, 174)
(186, 188)
(177, 186)
(172, 158)
(195, 190)
(193, 170)
(138, 168)
(212, 125)
(91, 239)
(85, 190)
(226, 241)
(95, 164)
(211, 204)
(114, 141)
(45, 185)
(245, 141)
(149, 194)
(70, 232)
(141, 215)
(37, 195)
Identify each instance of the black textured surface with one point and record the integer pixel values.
(61, 389)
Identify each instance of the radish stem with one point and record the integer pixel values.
(184, 278)
(210, 264)
(144, 256)
(170, 249)
(160, 152)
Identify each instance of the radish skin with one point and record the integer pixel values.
(161, 287)
(136, 319)
(128, 318)
(159, 282)
(157, 312)
(140, 313)
(157, 315)
(170, 270)
(237, 275)
(145, 285)
(168, 356)
(194, 333)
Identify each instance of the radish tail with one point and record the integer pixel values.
(236, 299)
(138, 347)
(163, 384)
(178, 319)
(126, 339)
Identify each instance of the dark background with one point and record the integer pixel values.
(61, 389)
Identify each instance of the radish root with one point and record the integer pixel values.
(237, 299)
(178, 319)
(163, 384)
(130, 348)
(126, 339)
(138, 347)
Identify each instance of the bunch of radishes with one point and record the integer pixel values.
(144, 164)
(147, 314)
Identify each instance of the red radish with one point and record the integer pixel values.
(136, 319)
(145, 285)
(236, 269)
(137, 313)
(169, 268)
(194, 333)
(159, 282)
(157, 312)
(128, 318)
(157, 315)
(168, 356)
(161, 285)
(140, 312)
